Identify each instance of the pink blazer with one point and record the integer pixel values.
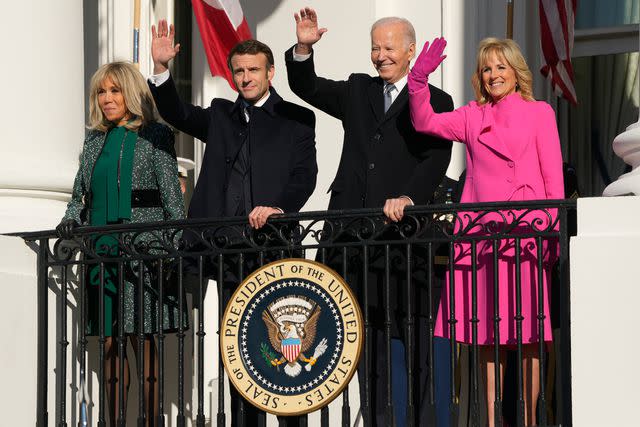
(513, 148)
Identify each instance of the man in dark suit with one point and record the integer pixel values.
(260, 157)
(384, 162)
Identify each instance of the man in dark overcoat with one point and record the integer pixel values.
(384, 163)
(260, 157)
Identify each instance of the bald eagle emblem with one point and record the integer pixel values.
(291, 323)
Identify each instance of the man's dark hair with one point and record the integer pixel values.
(250, 47)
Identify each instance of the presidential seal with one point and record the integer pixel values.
(291, 337)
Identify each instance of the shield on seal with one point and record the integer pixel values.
(291, 348)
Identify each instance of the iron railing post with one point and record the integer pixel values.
(564, 358)
(43, 333)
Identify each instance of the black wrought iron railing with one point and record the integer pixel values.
(386, 262)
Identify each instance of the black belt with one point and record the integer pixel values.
(146, 198)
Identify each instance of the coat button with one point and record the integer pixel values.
(241, 134)
(510, 164)
(377, 137)
(372, 166)
(227, 159)
(509, 179)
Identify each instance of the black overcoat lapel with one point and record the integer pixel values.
(240, 129)
(376, 101)
(398, 104)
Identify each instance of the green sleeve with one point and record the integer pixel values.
(76, 204)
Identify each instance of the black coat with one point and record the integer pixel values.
(382, 155)
(281, 143)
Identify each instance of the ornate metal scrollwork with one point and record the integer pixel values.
(308, 230)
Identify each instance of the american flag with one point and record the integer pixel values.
(557, 19)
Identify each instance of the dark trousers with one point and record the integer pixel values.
(387, 272)
(379, 384)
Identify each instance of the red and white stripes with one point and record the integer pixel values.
(291, 349)
(557, 19)
(222, 24)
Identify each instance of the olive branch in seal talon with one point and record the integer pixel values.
(270, 357)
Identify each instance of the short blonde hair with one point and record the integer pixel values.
(508, 50)
(137, 96)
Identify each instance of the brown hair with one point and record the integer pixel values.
(135, 91)
(510, 51)
(250, 47)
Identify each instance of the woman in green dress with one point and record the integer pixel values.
(128, 173)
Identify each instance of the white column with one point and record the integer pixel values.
(41, 135)
(43, 111)
(604, 304)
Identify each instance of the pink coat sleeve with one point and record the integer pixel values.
(450, 125)
(550, 154)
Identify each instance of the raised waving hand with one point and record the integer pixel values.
(428, 61)
(163, 48)
(307, 30)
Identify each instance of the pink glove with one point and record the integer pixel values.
(427, 62)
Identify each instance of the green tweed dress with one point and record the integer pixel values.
(111, 166)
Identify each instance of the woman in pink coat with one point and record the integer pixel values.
(513, 154)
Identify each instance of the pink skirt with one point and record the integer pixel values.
(531, 294)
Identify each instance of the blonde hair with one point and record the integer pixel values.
(508, 50)
(137, 96)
